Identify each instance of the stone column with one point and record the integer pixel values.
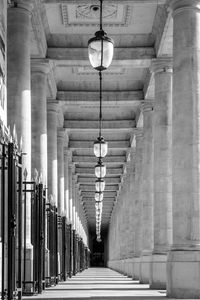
(131, 209)
(52, 108)
(76, 206)
(60, 148)
(183, 265)
(71, 172)
(39, 71)
(138, 203)
(147, 194)
(162, 124)
(119, 230)
(123, 220)
(66, 175)
(60, 163)
(19, 101)
(74, 202)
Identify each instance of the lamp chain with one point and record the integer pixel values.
(101, 14)
(100, 104)
(101, 29)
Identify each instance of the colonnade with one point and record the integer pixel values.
(44, 145)
(165, 220)
(154, 233)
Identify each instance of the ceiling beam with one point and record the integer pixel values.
(122, 145)
(92, 159)
(137, 57)
(88, 187)
(94, 125)
(105, 205)
(110, 1)
(89, 201)
(90, 171)
(105, 194)
(108, 96)
(89, 180)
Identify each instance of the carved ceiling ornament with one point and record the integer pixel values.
(91, 11)
(114, 15)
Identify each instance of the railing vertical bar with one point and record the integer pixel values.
(20, 229)
(3, 220)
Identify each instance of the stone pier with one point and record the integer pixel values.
(162, 205)
(183, 263)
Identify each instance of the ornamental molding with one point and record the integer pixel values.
(114, 15)
(85, 70)
(37, 29)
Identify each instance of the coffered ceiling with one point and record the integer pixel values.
(142, 31)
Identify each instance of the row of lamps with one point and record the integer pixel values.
(100, 51)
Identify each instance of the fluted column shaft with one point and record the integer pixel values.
(39, 71)
(61, 212)
(162, 126)
(147, 193)
(52, 150)
(66, 175)
(61, 187)
(131, 204)
(19, 103)
(74, 202)
(125, 199)
(185, 253)
(18, 86)
(71, 171)
(138, 203)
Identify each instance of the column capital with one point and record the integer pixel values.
(130, 154)
(74, 177)
(40, 66)
(147, 105)
(61, 133)
(24, 4)
(72, 167)
(138, 133)
(52, 106)
(161, 65)
(68, 154)
(177, 6)
(77, 184)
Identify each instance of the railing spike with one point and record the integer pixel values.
(20, 144)
(25, 174)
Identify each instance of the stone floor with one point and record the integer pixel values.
(101, 284)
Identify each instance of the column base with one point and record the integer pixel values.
(59, 267)
(28, 285)
(158, 271)
(136, 268)
(183, 274)
(145, 268)
(129, 267)
(47, 267)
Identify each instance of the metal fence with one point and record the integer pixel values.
(15, 191)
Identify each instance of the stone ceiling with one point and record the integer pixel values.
(142, 31)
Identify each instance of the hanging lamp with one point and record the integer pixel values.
(100, 185)
(100, 169)
(100, 47)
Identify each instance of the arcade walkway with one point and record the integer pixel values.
(100, 283)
